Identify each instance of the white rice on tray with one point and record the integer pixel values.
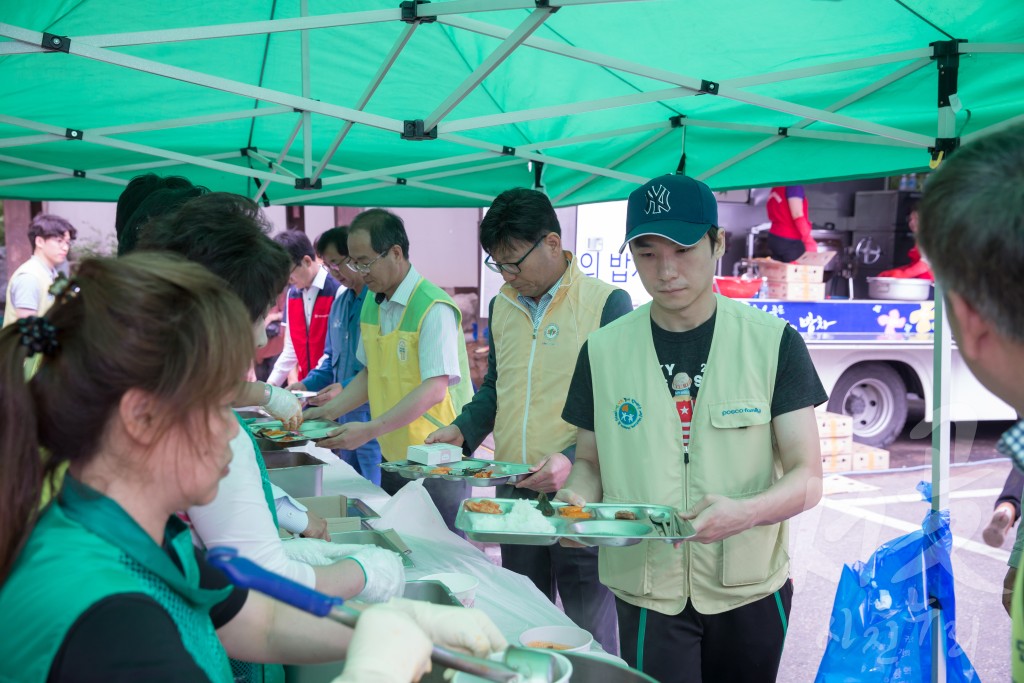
(523, 517)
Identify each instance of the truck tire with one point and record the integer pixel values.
(875, 396)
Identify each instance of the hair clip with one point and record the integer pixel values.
(39, 335)
(64, 288)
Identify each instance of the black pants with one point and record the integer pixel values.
(785, 249)
(1011, 491)
(743, 645)
(447, 495)
(572, 572)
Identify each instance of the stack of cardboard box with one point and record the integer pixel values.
(835, 432)
(797, 281)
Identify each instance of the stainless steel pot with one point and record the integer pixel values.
(899, 288)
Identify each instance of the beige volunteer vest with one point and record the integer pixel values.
(43, 280)
(731, 453)
(535, 366)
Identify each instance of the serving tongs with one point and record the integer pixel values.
(520, 664)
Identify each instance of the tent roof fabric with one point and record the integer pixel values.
(252, 96)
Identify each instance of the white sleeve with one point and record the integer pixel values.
(439, 339)
(239, 518)
(287, 360)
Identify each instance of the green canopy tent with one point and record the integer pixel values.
(448, 103)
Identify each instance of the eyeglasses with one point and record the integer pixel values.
(365, 267)
(63, 242)
(512, 267)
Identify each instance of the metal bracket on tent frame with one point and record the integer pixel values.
(677, 120)
(508, 151)
(411, 16)
(709, 87)
(55, 43)
(78, 173)
(401, 181)
(72, 134)
(308, 184)
(413, 130)
(942, 149)
(783, 132)
(946, 54)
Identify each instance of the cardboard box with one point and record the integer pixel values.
(869, 458)
(334, 510)
(796, 291)
(842, 445)
(833, 425)
(434, 454)
(836, 463)
(808, 269)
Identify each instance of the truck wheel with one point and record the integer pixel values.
(876, 397)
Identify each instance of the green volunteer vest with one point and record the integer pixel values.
(535, 366)
(393, 365)
(86, 548)
(264, 477)
(1017, 629)
(731, 453)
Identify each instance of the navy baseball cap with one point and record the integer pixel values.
(676, 207)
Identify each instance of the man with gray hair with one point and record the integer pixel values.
(972, 231)
(28, 292)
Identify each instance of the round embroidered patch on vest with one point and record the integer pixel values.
(403, 351)
(628, 413)
(551, 331)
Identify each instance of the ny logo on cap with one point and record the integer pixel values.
(657, 200)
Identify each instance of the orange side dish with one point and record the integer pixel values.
(574, 512)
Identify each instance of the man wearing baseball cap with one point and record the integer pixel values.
(714, 608)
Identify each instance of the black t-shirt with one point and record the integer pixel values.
(796, 382)
(129, 637)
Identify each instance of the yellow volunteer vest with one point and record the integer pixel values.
(535, 366)
(393, 365)
(731, 453)
(43, 281)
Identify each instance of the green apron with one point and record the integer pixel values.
(84, 549)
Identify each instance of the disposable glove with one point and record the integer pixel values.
(457, 628)
(387, 647)
(382, 569)
(285, 407)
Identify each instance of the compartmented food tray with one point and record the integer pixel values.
(477, 472)
(607, 524)
(272, 430)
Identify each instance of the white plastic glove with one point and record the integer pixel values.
(285, 407)
(459, 628)
(372, 655)
(382, 569)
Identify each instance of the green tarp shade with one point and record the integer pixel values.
(635, 48)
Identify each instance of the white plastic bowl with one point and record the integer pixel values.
(462, 586)
(573, 638)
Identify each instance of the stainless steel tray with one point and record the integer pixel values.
(501, 472)
(299, 474)
(373, 537)
(310, 430)
(357, 508)
(652, 523)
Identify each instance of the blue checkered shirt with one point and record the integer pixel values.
(537, 309)
(1011, 444)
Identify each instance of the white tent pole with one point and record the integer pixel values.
(563, 110)
(306, 196)
(187, 159)
(900, 73)
(67, 172)
(277, 164)
(205, 80)
(451, 191)
(471, 169)
(619, 160)
(589, 56)
(307, 123)
(29, 140)
(554, 161)
(856, 138)
(988, 130)
(191, 121)
(492, 62)
(371, 88)
(401, 169)
(33, 179)
(1000, 48)
(579, 139)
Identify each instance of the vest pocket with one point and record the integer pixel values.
(625, 569)
(749, 557)
(740, 413)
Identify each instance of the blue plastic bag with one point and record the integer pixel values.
(881, 625)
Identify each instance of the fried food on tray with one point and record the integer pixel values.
(488, 507)
(625, 514)
(441, 470)
(278, 434)
(486, 474)
(574, 512)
